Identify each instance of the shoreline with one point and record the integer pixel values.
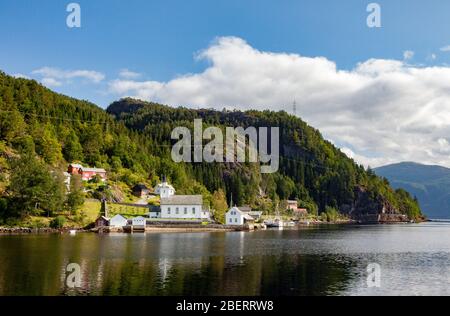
(181, 228)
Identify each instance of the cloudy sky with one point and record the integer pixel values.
(381, 95)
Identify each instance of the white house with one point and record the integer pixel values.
(183, 207)
(164, 189)
(118, 221)
(235, 216)
(139, 221)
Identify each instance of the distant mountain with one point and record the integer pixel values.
(430, 184)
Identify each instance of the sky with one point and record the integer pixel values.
(380, 94)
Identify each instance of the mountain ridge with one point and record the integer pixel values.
(428, 183)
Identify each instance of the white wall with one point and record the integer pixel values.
(170, 211)
(154, 214)
(139, 221)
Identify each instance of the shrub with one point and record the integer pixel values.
(58, 222)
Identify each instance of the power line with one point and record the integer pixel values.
(162, 145)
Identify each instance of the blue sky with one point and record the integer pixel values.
(159, 38)
(380, 94)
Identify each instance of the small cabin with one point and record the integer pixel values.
(118, 221)
(102, 221)
(140, 190)
(139, 221)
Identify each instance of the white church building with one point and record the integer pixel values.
(179, 206)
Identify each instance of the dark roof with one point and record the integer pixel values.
(155, 208)
(182, 200)
(140, 187)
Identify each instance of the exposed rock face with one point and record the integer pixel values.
(367, 209)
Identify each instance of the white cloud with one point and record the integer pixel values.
(51, 82)
(52, 74)
(445, 48)
(385, 110)
(408, 54)
(128, 74)
(19, 75)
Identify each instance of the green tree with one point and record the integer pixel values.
(75, 197)
(12, 126)
(72, 150)
(48, 146)
(220, 206)
(34, 186)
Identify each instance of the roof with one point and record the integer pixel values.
(103, 217)
(182, 200)
(155, 208)
(245, 208)
(258, 213)
(76, 165)
(139, 217)
(245, 215)
(100, 170)
(248, 217)
(140, 187)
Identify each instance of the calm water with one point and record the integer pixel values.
(414, 260)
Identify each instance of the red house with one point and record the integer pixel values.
(74, 168)
(86, 172)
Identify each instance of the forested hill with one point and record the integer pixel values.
(312, 170)
(41, 131)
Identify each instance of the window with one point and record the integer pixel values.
(231, 220)
(235, 220)
(177, 210)
(168, 210)
(185, 210)
(193, 210)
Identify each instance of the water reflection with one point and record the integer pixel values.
(322, 261)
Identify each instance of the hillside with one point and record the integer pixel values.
(42, 131)
(312, 170)
(429, 183)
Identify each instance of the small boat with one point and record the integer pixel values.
(73, 232)
(274, 223)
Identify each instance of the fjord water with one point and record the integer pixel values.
(328, 260)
